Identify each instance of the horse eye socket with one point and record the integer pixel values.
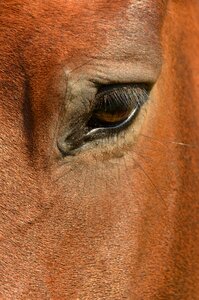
(116, 107)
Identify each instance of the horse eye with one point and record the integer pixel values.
(116, 107)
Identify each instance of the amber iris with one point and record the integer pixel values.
(112, 117)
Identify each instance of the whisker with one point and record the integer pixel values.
(164, 143)
(131, 187)
(150, 180)
(184, 144)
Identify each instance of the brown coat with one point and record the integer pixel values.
(119, 218)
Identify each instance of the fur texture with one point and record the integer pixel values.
(119, 220)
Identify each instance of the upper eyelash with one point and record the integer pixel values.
(124, 95)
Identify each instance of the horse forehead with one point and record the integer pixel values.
(76, 12)
(89, 24)
(117, 6)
